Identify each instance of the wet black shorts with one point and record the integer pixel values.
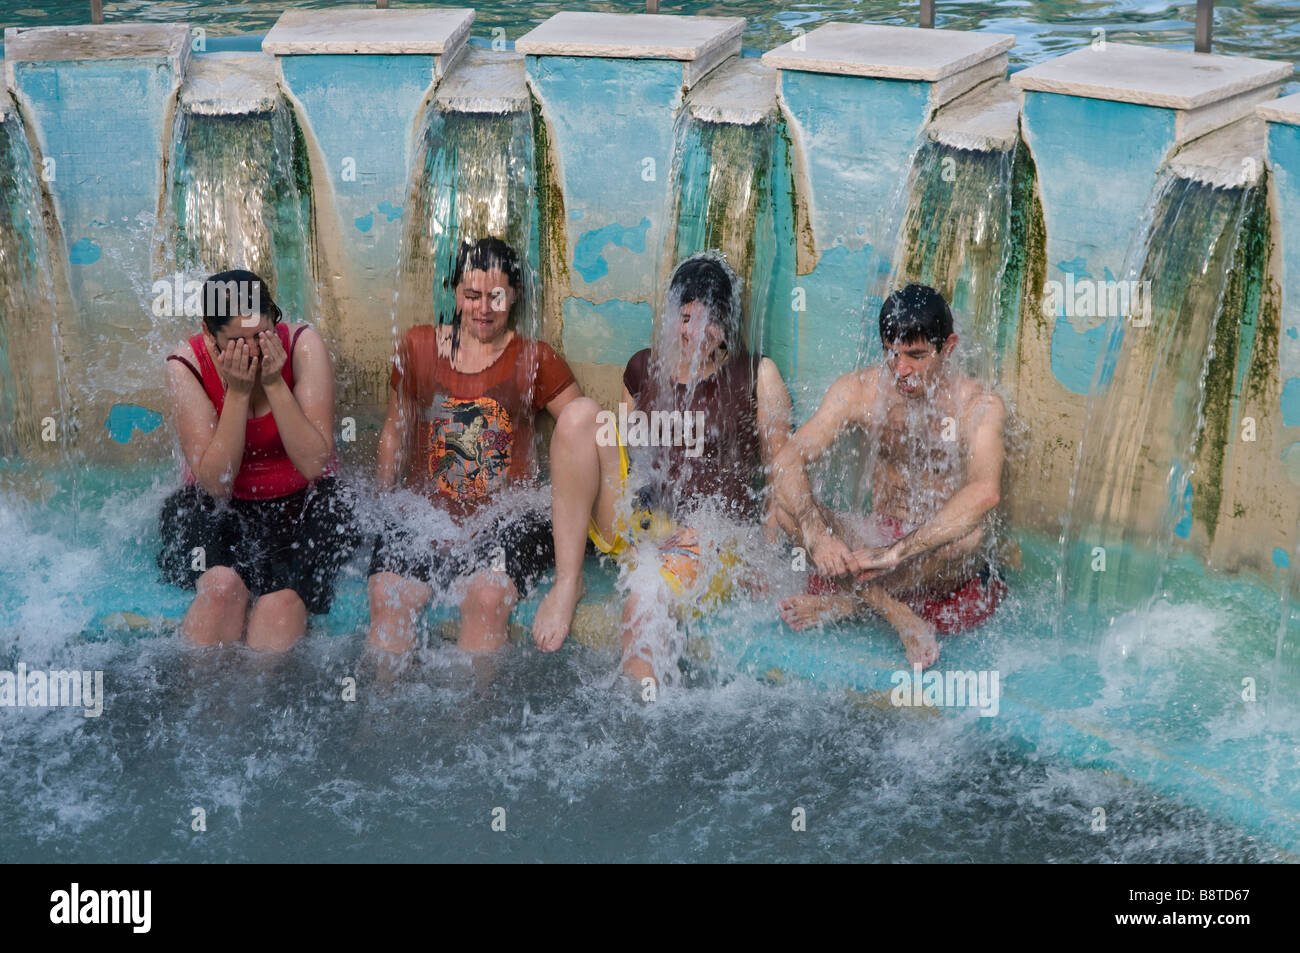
(521, 547)
(297, 542)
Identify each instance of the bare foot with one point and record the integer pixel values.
(804, 611)
(919, 640)
(555, 614)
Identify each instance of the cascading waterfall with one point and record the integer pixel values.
(956, 237)
(240, 197)
(32, 383)
(1130, 495)
(721, 198)
(474, 178)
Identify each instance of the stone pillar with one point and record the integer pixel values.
(358, 80)
(1101, 122)
(610, 86)
(857, 98)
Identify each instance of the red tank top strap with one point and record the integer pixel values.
(208, 372)
(287, 343)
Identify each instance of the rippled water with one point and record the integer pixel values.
(1043, 28)
(285, 769)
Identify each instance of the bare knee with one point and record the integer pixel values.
(282, 602)
(488, 598)
(390, 593)
(222, 585)
(577, 421)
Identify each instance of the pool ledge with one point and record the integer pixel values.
(952, 61)
(700, 43)
(1206, 91)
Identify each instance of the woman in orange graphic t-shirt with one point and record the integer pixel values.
(462, 400)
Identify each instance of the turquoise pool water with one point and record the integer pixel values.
(1150, 727)
(1043, 28)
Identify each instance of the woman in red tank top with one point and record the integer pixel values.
(261, 526)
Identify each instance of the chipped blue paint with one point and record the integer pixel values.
(588, 257)
(1291, 402)
(1281, 559)
(1074, 354)
(614, 161)
(856, 136)
(83, 252)
(1097, 163)
(125, 419)
(104, 124)
(363, 110)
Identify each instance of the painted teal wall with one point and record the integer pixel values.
(365, 108)
(1097, 163)
(856, 136)
(611, 125)
(105, 124)
(1284, 158)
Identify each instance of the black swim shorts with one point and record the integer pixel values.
(297, 542)
(520, 546)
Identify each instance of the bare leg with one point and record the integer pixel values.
(635, 665)
(217, 612)
(485, 612)
(277, 620)
(395, 601)
(919, 641)
(588, 491)
(805, 610)
(940, 570)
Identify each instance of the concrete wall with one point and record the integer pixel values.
(605, 132)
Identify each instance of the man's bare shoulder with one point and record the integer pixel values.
(979, 402)
(859, 385)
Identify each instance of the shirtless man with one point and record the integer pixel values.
(936, 436)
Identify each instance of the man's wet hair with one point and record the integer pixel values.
(232, 294)
(914, 313)
(488, 254)
(707, 278)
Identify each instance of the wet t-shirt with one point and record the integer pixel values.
(473, 433)
(729, 466)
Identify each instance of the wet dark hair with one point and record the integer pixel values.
(914, 313)
(229, 294)
(706, 279)
(485, 254)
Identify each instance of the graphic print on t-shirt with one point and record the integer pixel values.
(469, 446)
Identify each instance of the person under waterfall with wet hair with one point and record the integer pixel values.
(262, 527)
(924, 559)
(463, 397)
(642, 504)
